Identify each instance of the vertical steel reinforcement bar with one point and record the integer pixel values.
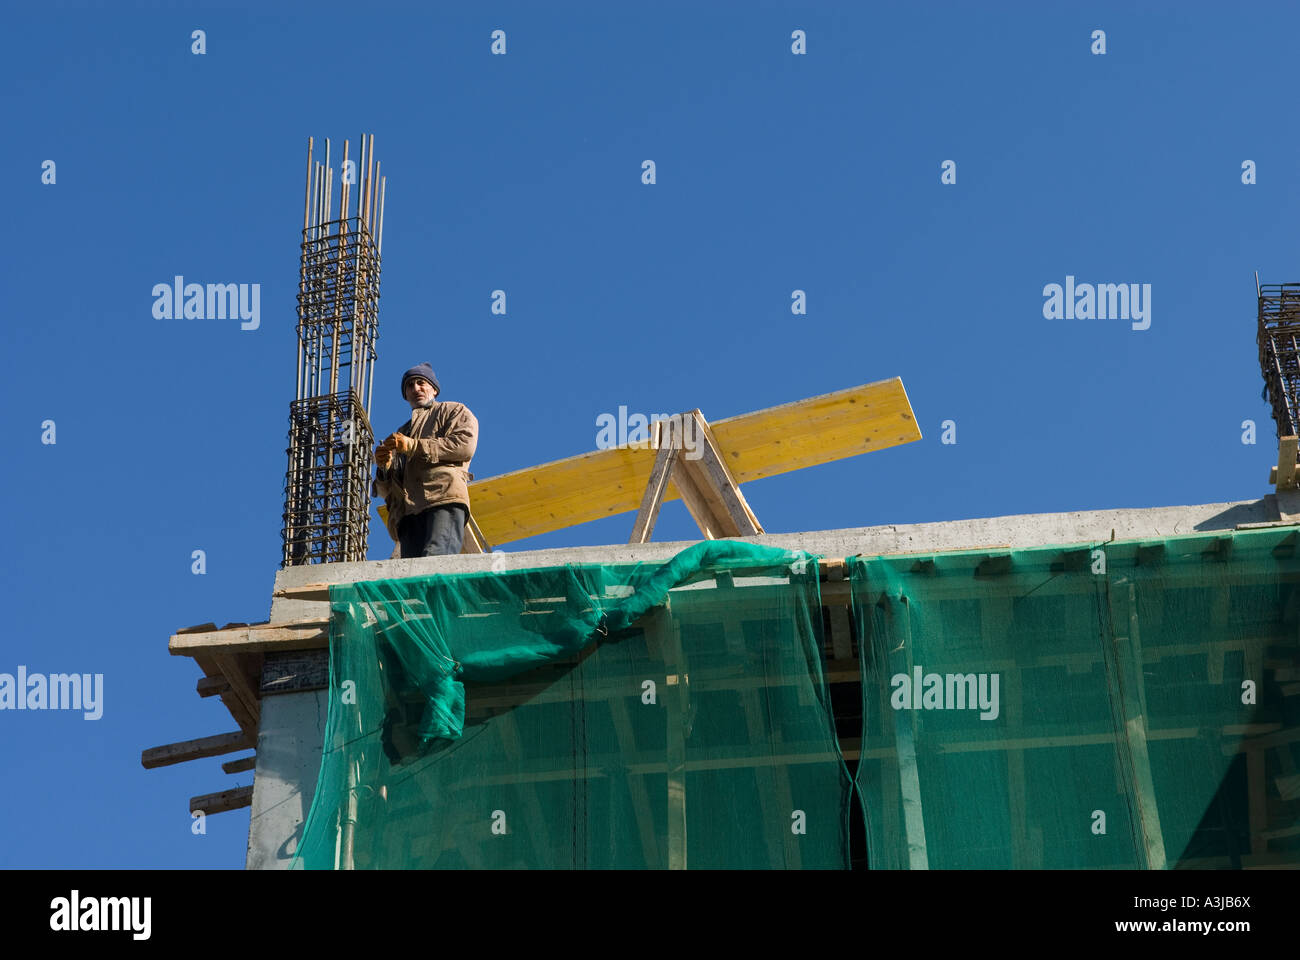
(327, 502)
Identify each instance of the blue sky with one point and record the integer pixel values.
(775, 172)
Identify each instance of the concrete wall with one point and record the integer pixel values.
(293, 724)
(289, 741)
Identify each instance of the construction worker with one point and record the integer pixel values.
(422, 470)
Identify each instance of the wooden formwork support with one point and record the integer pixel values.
(222, 800)
(604, 483)
(906, 725)
(690, 459)
(212, 686)
(655, 489)
(308, 634)
(243, 674)
(1284, 476)
(640, 795)
(667, 640)
(194, 749)
(242, 765)
(1133, 715)
(473, 540)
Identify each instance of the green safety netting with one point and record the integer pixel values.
(1131, 705)
(539, 718)
(1126, 704)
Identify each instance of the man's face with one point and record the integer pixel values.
(419, 391)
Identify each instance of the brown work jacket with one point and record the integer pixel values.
(436, 472)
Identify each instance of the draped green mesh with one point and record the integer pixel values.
(1144, 713)
(1120, 705)
(583, 716)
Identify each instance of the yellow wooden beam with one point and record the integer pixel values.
(605, 483)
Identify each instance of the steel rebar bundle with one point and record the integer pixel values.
(1279, 352)
(327, 503)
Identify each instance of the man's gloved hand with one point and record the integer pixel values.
(402, 443)
(384, 454)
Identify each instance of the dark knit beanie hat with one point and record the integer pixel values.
(424, 371)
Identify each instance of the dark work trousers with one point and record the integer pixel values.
(433, 532)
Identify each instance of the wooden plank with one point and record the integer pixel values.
(244, 691)
(676, 706)
(778, 850)
(212, 686)
(656, 487)
(308, 591)
(185, 750)
(711, 471)
(886, 765)
(636, 785)
(552, 496)
(775, 795)
(240, 765)
(348, 821)
(704, 499)
(222, 800)
(1021, 852)
(246, 721)
(711, 520)
(473, 540)
(310, 634)
(484, 545)
(1132, 701)
(1017, 790)
(906, 725)
(1287, 449)
(705, 502)
(820, 429)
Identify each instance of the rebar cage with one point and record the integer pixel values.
(1279, 353)
(327, 503)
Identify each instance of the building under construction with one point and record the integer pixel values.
(1113, 688)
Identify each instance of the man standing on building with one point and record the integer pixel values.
(423, 469)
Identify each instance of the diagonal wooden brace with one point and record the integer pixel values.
(653, 497)
(689, 457)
